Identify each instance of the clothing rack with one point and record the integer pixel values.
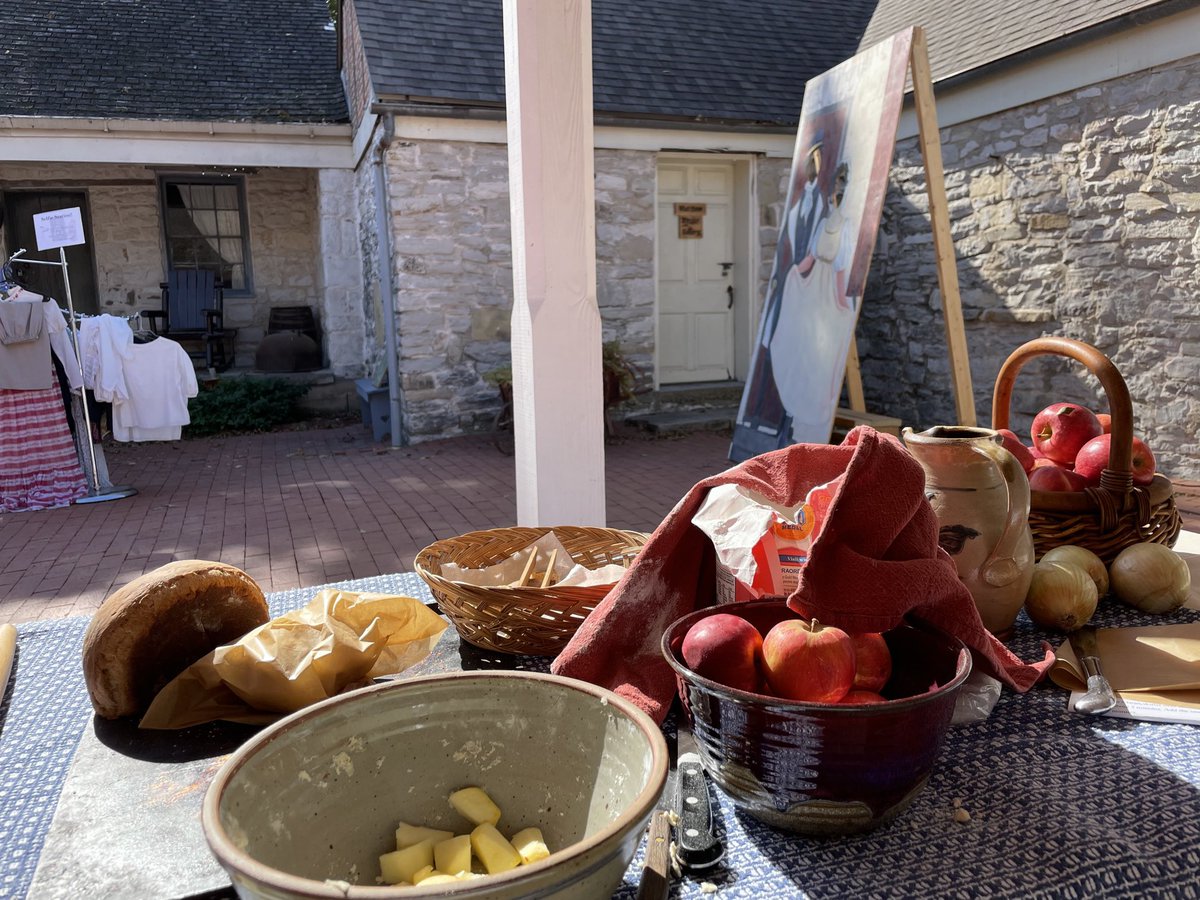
(98, 493)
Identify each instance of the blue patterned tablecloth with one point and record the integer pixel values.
(1061, 805)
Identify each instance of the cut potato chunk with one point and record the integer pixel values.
(496, 853)
(453, 855)
(529, 843)
(400, 865)
(475, 805)
(441, 878)
(422, 873)
(407, 835)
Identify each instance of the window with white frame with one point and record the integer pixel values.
(204, 225)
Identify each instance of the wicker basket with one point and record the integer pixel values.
(527, 620)
(1111, 517)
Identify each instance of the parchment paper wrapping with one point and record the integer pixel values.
(339, 640)
(1153, 664)
(508, 573)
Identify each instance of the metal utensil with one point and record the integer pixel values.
(699, 848)
(1099, 697)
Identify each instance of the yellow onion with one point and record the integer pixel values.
(1061, 596)
(1151, 577)
(1085, 559)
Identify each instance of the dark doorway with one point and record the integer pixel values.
(19, 209)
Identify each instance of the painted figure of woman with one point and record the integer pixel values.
(809, 345)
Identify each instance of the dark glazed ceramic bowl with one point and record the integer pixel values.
(820, 768)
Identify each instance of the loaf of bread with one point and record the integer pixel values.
(153, 628)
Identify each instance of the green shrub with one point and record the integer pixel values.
(244, 404)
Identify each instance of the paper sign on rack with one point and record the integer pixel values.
(58, 228)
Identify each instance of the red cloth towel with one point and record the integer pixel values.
(875, 560)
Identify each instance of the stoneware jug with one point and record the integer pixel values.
(981, 496)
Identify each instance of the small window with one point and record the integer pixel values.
(204, 224)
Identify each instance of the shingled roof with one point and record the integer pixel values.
(207, 60)
(736, 61)
(965, 35)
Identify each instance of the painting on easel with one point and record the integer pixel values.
(839, 175)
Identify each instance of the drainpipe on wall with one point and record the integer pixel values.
(387, 295)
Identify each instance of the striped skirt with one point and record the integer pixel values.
(39, 468)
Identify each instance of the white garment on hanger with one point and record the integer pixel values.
(56, 327)
(106, 343)
(60, 343)
(160, 379)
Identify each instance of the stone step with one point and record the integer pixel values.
(685, 421)
(700, 395)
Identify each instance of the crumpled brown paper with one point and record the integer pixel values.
(339, 640)
(1155, 664)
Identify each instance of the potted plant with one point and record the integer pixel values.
(618, 374)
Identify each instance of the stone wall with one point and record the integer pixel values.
(450, 223)
(1076, 216)
(127, 238)
(284, 246)
(340, 276)
(368, 255)
(355, 76)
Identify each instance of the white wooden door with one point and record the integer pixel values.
(695, 302)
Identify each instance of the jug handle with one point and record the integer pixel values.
(1001, 567)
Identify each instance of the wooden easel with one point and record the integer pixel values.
(943, 248)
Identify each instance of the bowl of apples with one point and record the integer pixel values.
(809, 728)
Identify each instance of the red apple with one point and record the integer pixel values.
(1013, 445)
(1061, 429)
(872, 661)
(1042, 462)
(725, 648)
(1105, 422)
(1093, 459)
(858, 697)
(1036, 453)
(1056, 478)
(808, 661)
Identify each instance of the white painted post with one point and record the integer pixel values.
(556, 336)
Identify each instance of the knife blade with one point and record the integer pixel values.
(1099, 697)
(656, 867)
(697, 843)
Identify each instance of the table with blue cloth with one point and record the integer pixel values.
(1060, 804)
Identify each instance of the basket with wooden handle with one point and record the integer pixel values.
(1116, 514)
(529, 618)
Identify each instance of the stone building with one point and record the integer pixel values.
(371, 174)
(179, 130)
(1071, 141)
(694, 107)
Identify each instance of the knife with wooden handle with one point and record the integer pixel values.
(8, 649)
(655, 882)
(1099, 697)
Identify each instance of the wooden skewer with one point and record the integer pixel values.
(549, 567)
(528, 567)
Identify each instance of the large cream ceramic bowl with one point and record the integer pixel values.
(305, 808)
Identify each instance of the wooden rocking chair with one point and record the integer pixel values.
(192, 311)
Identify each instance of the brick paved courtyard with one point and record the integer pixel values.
(304, 508)
(301, 508)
